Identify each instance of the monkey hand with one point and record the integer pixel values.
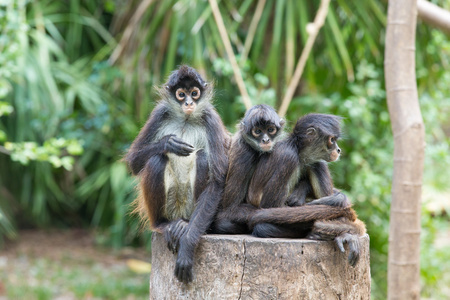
(184, 264)
(295, 201)
(173, 234)
(177, 146)
(338, 199)
(353, 246)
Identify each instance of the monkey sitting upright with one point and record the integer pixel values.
(259, 130)
(181, 157)
(297, 169)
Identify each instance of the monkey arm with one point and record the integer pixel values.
(208, 200)
(320, 179)
(234, 219)
(240, 171)
(299, 194)
(200, 221)
(282, 168)
(142, 147)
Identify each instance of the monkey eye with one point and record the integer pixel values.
(180, 94)
(256, 131)
(195, 94)
(272, 130)
(331, 141)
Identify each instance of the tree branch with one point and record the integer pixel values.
(137, 16)
(313, 30)
(226, 41)
(252, 29)
(434, 15)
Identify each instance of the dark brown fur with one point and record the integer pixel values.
(300, 160)
(245, 153)
(160, 145)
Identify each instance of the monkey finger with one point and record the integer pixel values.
(177, 234)
(353, 258)
(179, 230)
(340, 244)
(182, 150)
(180, 142)
(168, 238)
(179, 150)
(353, 244)
(186, 274)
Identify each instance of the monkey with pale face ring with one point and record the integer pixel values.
(181, 158)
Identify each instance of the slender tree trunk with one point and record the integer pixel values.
(409, 142)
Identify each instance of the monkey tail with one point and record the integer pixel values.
(300, 214)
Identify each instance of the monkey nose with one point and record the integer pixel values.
(339, 150)
(265, 141)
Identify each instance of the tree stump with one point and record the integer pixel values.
(245, 267)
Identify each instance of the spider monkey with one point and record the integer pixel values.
(181, 157)
(297, 170)
(259, 130)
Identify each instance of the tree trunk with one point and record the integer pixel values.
(408, 131)
(245, 267)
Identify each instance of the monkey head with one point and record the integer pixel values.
(316, 136)
(261, 127)
(186, 91)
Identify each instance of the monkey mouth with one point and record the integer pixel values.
(334, 156)
(188, 110)
(266, 147)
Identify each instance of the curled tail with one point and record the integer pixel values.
(300, 214)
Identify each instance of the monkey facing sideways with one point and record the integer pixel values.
(259, 130)
(181, 158)
(296, 171)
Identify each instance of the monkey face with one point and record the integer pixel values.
(333, 149)
(187, 98)
(264, 136)
(187, 93)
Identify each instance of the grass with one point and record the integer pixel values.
(46, 279)
(68, 271)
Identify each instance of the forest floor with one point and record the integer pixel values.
(67, 264)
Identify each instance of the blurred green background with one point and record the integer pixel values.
(76, 85)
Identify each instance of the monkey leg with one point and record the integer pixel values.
(153, 191)
(341, 231)
(234, 219)
(226, 226)
(267, 230)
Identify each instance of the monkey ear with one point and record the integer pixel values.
(311, 131)
(167, 87)
(282, 122)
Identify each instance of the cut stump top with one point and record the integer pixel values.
(246, 267)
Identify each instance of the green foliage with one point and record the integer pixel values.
(60, 106)
(50, 151)
(42, 278)
(434, 267)
(65, 85)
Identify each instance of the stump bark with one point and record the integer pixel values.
(245, 267)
